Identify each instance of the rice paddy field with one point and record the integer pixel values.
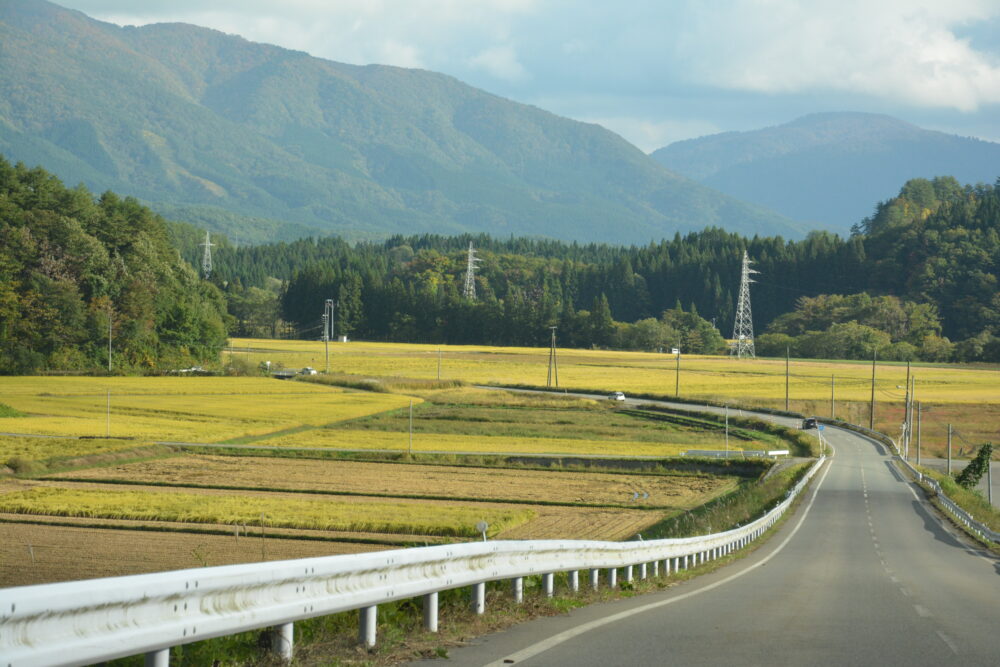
(187, 409)
(215, 494)
(707, 377)
(429, 460)
(966, 396)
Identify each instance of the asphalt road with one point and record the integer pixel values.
(864, 573)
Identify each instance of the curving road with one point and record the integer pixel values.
(864, 573)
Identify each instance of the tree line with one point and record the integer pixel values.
(916, 280)
(76, 270)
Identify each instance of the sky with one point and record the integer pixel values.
(653, 71)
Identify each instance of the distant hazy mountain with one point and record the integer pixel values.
(829, 169)
(211, 128)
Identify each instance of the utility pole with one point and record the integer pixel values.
(918, 432)
(553, 362)
(786, 378)
(909, 414)
(108, 431)
(871, 412)
(110, 312)
(727, 430)
(327, 328)
(949, 449)
(410, 450)
(833, 401)
(743, 327)
(439, 363)
(906, 415)
(677, 374)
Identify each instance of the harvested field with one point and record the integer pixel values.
(35, 554)
(482, 483)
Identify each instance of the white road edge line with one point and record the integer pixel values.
(947, 640)
(566, 635)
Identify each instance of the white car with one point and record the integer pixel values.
(308, 371)
(616, 396)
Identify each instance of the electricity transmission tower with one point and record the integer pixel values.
(206, 258)
(743, 328)
(469, 291)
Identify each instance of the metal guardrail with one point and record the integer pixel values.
(950, 505)
(81, 622)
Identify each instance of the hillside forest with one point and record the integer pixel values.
(916, 280)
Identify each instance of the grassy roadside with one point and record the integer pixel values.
(971, 501)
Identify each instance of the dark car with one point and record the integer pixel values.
(809, 422)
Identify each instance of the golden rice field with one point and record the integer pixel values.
(700, 376)
(36, 554)
(445, 442)
(40, 449)
(247, 509)
(361, 477)
(191, 409)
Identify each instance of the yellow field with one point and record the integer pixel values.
(248, 509)
(360, 477)
(443, 442)
(40, 449)
(192, 409)
(700, 376)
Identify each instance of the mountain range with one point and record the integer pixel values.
(265, 143)
(830, 169)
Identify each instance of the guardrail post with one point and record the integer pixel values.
(517, 588)
(366, 626)
(642, 571)
(666, 567)
(431, 612)
(656, 568)
(595, 578)
(612, 577)
(479, 598)
(628, 573)
(159, 658)
(574, 581)
(548, 584)
(283, 640)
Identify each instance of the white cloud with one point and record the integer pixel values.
(500, 62)
(893, 49)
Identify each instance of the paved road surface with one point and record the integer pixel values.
(863, 574)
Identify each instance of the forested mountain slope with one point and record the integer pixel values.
(264, 143)
(829, 168)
